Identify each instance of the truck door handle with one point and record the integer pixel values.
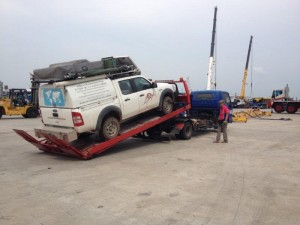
(141, 95)
(127, 99)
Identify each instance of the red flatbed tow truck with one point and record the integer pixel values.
(88, 147)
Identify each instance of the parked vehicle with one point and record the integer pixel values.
(18, 103)
(281, 101)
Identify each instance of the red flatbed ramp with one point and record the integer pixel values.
(87, 147)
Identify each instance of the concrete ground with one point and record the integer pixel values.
(252, 180)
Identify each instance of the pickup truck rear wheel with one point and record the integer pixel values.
(167, 105)
(110, 128)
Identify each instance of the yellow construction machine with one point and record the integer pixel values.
(243, 116)
(18, 103)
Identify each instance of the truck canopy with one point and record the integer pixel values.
(84, 68)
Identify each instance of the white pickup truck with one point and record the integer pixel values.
(99, 104)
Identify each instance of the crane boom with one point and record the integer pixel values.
(211, 84)
(246, 70)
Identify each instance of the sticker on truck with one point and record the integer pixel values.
(53, 97)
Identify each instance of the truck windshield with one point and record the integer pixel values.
(204, 96)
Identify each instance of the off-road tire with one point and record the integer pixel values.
(167, 105)
(291, 108)
(110, 128)
(32, 113)
(279, 108)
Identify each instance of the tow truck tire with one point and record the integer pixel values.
(167, 105)
(32, 113)
(0, 113)
(279, 108)
(291, 108)
(110, 128)
(186, 132)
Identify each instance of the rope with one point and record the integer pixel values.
(260, 118)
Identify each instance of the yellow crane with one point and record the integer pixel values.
(242, 96)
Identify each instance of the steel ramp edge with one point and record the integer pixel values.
(51, 144)
(31, 140)
(64, 147)
(96, 149)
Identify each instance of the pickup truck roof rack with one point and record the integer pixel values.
(88, 148)
(111, 67)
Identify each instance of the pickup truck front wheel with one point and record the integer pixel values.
(110, 128)
(167, 105)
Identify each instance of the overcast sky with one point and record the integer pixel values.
(166, 38)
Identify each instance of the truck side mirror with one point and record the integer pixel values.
(154, 85)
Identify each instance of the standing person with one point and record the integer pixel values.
(222, 122)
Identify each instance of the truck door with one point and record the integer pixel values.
(129, 98)
(227, 99)
(147, 97)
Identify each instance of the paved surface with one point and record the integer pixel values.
(254, 179)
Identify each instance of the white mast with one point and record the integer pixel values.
(211, 83)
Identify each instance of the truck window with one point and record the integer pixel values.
(125, 87)
(226, 98)
(204, 96)
(141, 83)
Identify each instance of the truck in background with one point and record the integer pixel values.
(281, 101)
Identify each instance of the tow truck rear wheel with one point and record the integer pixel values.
(110, 128)
(32, 113)
(167, 105)
(186, 132)
(0, 113)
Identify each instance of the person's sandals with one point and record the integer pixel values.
(216, 142)
(224, 141)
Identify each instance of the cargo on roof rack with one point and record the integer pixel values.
(111, 66)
